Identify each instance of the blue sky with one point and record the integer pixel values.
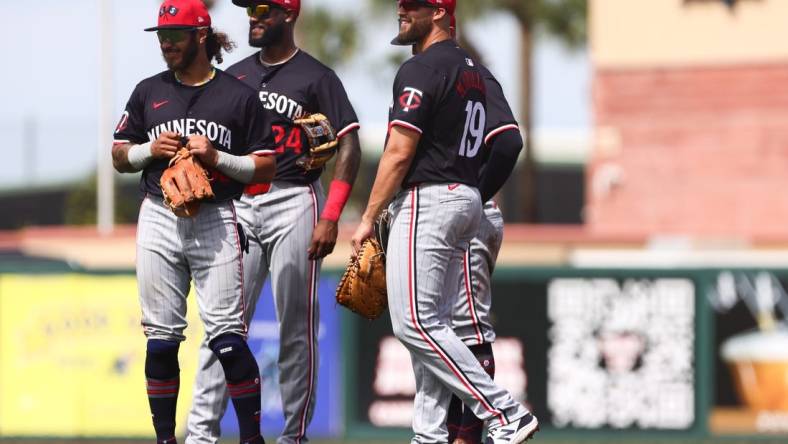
(49, 99)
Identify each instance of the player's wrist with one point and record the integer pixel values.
(212, 155)
(338, 195)
(368, 219)
(140, 156)
(240, 168)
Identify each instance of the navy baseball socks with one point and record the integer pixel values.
(243, 383)
(461, 422)
(163, 381)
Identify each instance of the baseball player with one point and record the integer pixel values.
(290, 228)
(220, 119)
(431, 167)
(471, 317)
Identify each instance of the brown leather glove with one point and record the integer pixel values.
(185, 183)
(362, 288)
(322, 138)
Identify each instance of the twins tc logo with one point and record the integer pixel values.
(172, 10)
(410, 99)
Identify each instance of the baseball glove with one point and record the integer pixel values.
(322, 138)
(185, 183)
(362, 288)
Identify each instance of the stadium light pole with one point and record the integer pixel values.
(105, 186)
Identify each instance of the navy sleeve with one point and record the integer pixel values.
(131, 127)
(503, 157)
(416, 95)
(499, 115)
(332, 101)
(259, 137)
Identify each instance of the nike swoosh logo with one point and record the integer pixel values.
(157, 105)
(453, 186)
(242, 76)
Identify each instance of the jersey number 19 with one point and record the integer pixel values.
(473, 134)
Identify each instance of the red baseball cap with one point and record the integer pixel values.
(290, 5)
(182, 14)
(448, 5)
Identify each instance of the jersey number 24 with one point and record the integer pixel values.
(473, 134)
(293, 141)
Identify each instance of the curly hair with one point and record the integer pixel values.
(216, 42)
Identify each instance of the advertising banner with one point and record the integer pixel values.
(72, 356)
(591, 351)
(264, 343)
(73, 344)
(750, 353)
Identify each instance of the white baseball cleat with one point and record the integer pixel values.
(514, 433)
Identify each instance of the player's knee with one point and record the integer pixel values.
(236, 358)
(407, 333)
(161, 359)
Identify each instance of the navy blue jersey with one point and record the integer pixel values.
(224, 110)
(441, 94)
(499, 115)
(289, 90)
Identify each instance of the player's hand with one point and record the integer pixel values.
(203, 149)
(166, 145)
(324, 237)
(363, 232)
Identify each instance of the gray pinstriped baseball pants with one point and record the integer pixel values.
(171, 252)
(431, 229)
(471, 317)
(279, 225)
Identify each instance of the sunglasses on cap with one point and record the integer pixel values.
(410, 5)
(173, 35)
(258, 11)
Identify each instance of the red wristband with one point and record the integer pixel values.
(338, 194)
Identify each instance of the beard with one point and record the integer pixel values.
(187, 57)
(272, 36)
(419, 29)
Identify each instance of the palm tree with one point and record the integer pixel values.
(561, 19)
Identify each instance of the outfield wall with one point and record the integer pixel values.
(593, 352)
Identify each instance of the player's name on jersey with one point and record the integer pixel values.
(281, 104)
(215, 132)
(470, 80)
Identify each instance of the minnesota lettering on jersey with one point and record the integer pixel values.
(281, 104)
(216, 133)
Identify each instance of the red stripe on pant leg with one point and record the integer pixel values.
(310, 325)
(413, 310)
(240, 267)
(466, 269)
